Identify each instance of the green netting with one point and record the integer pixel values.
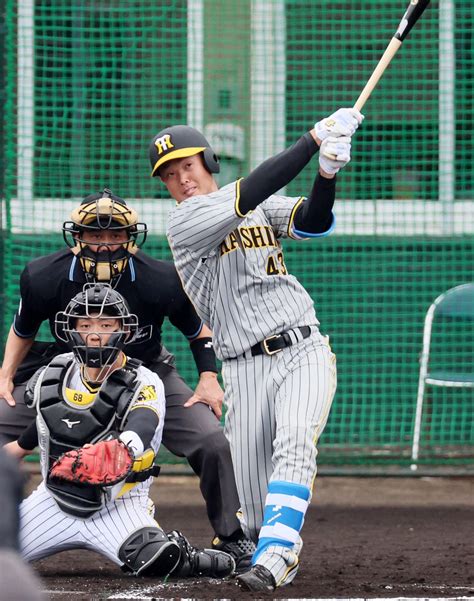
(87, 84)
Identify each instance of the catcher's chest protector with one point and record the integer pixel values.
(64, 426)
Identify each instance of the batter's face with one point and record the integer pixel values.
(187, 177)
(96, 331)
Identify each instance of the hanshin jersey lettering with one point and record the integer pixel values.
(238, 257)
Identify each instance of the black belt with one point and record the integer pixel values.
(275, 344)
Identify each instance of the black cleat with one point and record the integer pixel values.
(209, 563)
(241, 549)
(258, 578)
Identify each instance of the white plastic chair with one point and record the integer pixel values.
(457, 302)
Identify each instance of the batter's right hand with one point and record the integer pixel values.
(6, 389)
(343, 122)
(334, 154)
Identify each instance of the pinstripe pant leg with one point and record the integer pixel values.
(250, 429)
(106, 531)
(306, 383)
(44, 528)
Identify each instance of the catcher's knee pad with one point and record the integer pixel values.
(149, 552)
(200, 562)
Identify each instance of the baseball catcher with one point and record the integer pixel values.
(99, 426)
(105, 238)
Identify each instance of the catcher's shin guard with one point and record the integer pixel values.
(149, 552)
(200, 562)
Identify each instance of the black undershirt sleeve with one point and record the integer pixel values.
(179, 309)
(275, 173)
(144, 422)
(28, 439)
(314, 215)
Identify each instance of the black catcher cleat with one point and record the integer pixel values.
(258, 578)
(200, 562)
(241, 549)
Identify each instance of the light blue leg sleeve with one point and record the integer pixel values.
(285, 508)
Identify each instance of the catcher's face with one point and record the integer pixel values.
(96, 331)
(187, 177)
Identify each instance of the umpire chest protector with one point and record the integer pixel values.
(64, 425)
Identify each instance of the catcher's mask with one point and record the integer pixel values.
(96, 301)
(178, 142)
(104, 212)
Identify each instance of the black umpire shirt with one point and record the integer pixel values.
(151, 288)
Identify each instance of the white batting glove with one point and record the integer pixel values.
(334, 154)
(343, 122)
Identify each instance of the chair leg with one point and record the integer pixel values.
(421, 386)
(417, 427)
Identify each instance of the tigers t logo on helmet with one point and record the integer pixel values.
(163, 143)
(178, 142)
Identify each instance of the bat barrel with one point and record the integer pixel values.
(411, 16)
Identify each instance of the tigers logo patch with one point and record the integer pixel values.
(147, 393)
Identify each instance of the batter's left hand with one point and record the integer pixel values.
(209, 392)
(343, 122)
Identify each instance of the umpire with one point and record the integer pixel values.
(104, 239)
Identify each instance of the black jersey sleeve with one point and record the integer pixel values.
(181, 311)
(275, 173)
(314, 215)
(30, 313)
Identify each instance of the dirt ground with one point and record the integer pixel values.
(363, 538)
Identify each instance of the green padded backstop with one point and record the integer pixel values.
(86, 85)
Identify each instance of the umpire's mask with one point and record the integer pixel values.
(104, 260)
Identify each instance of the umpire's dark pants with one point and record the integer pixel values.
(192, 432)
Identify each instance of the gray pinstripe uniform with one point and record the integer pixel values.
(232, 268)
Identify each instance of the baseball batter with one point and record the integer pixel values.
(101, 413)
(278, 369)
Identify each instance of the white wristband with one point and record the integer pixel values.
(133, 442)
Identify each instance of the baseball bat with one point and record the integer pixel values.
(412, 14)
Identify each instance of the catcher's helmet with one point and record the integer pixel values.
(104, 211)
(97, 301)
(178, 142)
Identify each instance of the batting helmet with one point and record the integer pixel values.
(178, 142)
(97, 301)
(104, 211)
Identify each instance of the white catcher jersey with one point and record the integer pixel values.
(233, 270)
(151, 395)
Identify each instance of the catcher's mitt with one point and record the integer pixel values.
(103, 463)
